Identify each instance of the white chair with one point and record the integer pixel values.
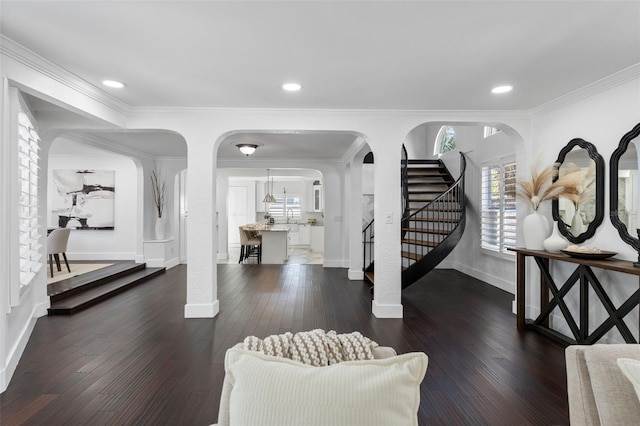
(57, 244)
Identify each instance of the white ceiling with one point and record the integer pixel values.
(346, 54)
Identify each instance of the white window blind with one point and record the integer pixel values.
(29, 236)
(291, 204)
(498, 220)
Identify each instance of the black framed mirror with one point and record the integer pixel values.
(578, 219)
(623, 191)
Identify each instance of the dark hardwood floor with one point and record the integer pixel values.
(134, 359)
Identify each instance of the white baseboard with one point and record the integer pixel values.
(171, 263)
(201, 310)
(15, 353)
(334, 263)
(223, 256)
(103, 256)
(356, 275)
(139, 259)
(160, 263)
(386, 311)
(495, 281)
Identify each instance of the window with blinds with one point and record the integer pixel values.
(29, 236)
(291, 204)
(498, 220)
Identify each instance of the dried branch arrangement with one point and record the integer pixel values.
(157, 185)
(542, 187)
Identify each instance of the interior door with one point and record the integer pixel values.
(237, 204)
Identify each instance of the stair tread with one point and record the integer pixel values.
(369, 275)
(427, 230)
(76, 301)
(420, 242)
(412, 256)
(443, 210)
(416, 219)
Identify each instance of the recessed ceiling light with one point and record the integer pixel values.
(291, 87)
(502, 89)
(113, 83)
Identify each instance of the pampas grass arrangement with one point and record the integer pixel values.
(586, 191)
(545, 185)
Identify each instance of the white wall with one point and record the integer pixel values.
(602, 119)
(120, 243)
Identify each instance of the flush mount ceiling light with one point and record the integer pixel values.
(291, 87)
(502, 89)
(247, 148)
(113, 83)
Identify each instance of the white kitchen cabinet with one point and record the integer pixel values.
(294, 235)
(317, 239)
(304, 234)
(318, 202)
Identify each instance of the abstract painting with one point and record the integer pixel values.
(83, 199)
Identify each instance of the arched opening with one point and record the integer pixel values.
(492, 151)
(305, 172)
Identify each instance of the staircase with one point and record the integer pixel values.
(74, 294)
(433, 220)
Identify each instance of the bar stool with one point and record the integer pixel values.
(250, 245)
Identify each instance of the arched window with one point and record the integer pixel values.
(445, 141)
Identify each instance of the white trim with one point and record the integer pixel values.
(15, 353)
(223, 256)
(201, 310)
(356, 275)
(608, 82)
(386, 310)
(488, 278)
(41, 65)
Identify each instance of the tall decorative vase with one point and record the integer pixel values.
(555, 242)
(160, 228)
(536, 230)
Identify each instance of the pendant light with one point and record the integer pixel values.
(269, 198)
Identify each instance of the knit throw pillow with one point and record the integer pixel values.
(316, 347)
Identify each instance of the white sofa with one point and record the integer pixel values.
(599, 393)
(267, 390)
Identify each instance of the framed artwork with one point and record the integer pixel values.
(83, 199)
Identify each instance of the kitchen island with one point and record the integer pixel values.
(275, 244)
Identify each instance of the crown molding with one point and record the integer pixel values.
(28, 58)
(440, 114)
(106, 145)
(587, 91)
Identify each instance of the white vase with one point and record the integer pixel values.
(160, 228)
(535, 229)
(577, 226)
(556, 241)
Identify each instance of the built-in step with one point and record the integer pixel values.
(77, 293)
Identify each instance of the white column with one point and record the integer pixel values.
(354, 204)
(202, 283)
(387, 245)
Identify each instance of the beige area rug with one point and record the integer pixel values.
(76, 269)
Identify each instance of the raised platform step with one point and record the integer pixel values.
(89, 289)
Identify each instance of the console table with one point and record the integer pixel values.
(584, 277)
